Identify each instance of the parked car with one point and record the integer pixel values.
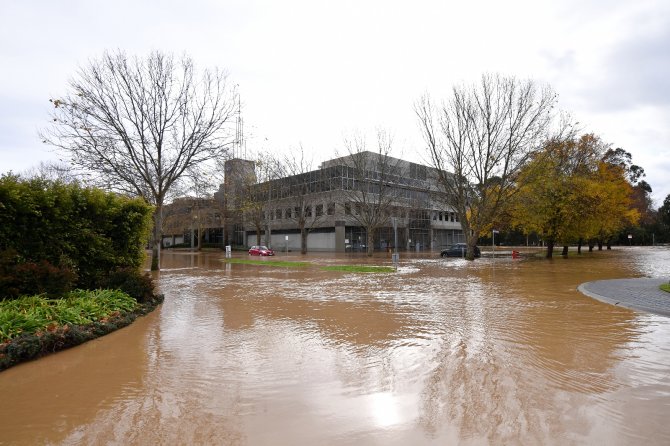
(260, 251)
(458, 250)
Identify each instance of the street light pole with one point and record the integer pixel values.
(395, 244)
(493, 243)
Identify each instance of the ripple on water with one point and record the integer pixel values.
(445, 351)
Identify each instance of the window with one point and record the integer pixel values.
(331, 209)
(278, 214)
(308, 211)
(288, 213)
(441, 215)
(319, 210)
(347, 209)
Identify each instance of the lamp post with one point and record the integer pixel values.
(193, 224)
(493, 243)
(394, 220)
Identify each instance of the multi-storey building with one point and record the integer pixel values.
(333, 207)
(339, 203)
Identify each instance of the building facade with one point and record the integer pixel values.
(347, 198)
(332, 209)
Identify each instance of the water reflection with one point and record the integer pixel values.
(495, 352)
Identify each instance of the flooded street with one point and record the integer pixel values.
(442, 352)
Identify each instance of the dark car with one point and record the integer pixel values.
(261, 251)
(459, 250)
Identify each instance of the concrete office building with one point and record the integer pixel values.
(336, 201)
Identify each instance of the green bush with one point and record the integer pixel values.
(87, 231)
(132, 282)
(28, 278)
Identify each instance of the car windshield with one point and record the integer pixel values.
(263, 248)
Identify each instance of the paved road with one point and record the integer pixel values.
(636, 294)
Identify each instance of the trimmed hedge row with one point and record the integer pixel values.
(55, 236)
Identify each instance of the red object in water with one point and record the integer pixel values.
(515, 254)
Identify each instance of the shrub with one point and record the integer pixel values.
(85, 230)
(132, 282)
(29, 278)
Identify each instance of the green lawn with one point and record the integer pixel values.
(282, 263)
(287, 264)
(666, 287)
(360, 268)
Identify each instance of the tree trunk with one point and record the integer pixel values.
(579, 246)
(550, 248)
(303, 239)
(157, 236)
(609, 245)
(591, 245)
(470, 253)
(600, 245)
(370, 241)
(565, 251)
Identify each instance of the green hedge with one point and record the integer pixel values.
(79, 230)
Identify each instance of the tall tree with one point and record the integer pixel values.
(547, 201)
(372, 179)
(300, 182)
(138, 124)
(254, 194)
(568, 194)
(479, 139)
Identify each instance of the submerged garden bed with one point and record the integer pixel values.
(34, 326)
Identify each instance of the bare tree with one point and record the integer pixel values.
(373, 191)
(139, 124)
(54, 171)
(254, 194)
(478, 140)
(297, 187)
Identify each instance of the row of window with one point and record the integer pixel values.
(341, 178)
(297, 211)
(354, 209)
(445, 216)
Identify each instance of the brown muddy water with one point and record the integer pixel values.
(442, 352)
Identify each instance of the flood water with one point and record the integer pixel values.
(442, 352)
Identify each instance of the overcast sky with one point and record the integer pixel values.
(311, 72)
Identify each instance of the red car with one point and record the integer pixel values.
(261, 251)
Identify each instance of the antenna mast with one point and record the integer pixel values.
(239, 130)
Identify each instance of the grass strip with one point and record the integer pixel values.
(359, 268)
(665, 287)
(281, 263)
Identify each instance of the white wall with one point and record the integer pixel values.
(315, 242)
